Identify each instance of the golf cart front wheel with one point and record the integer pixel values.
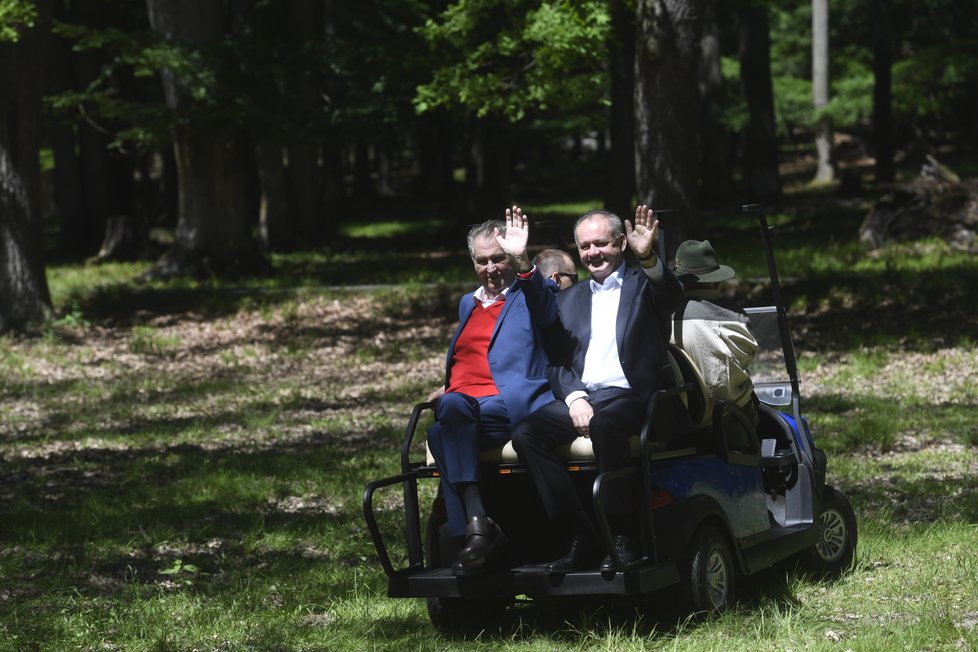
(835, 548)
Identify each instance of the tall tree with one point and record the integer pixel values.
(883, 91)
(307, 22)
(621, 116)
(213, 226)
(24, 296)
(761, 145)
(716, 139)
(503, 62)
(667, 112)
(820, 91)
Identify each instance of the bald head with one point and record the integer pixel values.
(558, 266)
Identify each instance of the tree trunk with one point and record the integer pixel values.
(667, 113)
(274, 226)
(825, 171)
(363, 186)
(333, 191)
(69, 197)
(306, 26)
(435, 161)
(487, 173)
(620, 193)
(303, 174)
(126, 238)
(716, 139)
(24, 296)
(81, 176)
(761, 146)
(385, 165)
(213, 229)
(883, 92)
(93, 158)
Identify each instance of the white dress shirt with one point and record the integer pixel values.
(602, 364)
(480, 297)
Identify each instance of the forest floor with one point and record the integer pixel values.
(165, 463)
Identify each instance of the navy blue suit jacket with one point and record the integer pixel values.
(517, 354)
(642, 328)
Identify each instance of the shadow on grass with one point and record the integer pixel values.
(122, 515)
(920, 311)
(566, 622)
(125, 306)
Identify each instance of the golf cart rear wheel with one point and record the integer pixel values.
(835, 548)
(708, 574)
(466, 615)
(460, 616)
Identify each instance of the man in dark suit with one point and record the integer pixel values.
(495, 374)
(618, 324)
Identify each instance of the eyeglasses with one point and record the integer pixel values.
(572, 277)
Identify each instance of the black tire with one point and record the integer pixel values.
(458, 616)
(466, 616)
(835, 549)
(707, 574)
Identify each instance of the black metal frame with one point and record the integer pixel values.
(641, 575)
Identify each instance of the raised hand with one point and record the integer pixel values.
(643, 237)
(517, 235)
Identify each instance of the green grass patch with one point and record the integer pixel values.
(393, 228)
(170, 486)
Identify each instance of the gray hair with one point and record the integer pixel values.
(487, 230)
(617, 228)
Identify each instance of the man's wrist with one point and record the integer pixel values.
(651, 256)
(522, 264)
(573, 396)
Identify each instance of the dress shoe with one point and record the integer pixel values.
(482, 537)
(627, 550)
(584, 553)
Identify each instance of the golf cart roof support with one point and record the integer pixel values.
(786, 343)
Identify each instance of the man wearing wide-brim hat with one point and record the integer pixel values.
(716, 334)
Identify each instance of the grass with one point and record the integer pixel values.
(182, 463)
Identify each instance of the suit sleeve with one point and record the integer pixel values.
(542, 305)
(668, 296)
(565, 377)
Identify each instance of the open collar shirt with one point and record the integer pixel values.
(602, 364)
(482, 299)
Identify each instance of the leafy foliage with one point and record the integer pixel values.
(506, 58)
(15, 15)
(935, 79)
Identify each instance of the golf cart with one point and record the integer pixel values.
(709, 512)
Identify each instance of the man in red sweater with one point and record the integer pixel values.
(496, 374)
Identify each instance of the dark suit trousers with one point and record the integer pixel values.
(618, 414)
(463, 428)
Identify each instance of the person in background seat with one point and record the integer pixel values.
(557, 266)
(715, 333)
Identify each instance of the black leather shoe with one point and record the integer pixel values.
(627, 550)
(584, 553)
(482, 537)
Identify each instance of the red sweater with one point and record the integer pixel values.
(470, 373)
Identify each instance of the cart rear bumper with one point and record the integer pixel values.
(530, 581)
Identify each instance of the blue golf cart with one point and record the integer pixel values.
(709, 512)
